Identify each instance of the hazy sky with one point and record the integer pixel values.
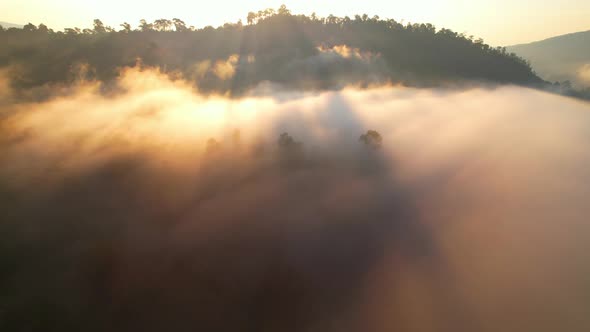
(499, 22)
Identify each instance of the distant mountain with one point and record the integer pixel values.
(560, 58)
(7, 25)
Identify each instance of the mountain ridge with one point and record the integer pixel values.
(549, 39)
(560, 58)
(7, 25)
(274, 46)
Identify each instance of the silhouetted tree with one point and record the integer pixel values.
(372, 139)
(43, 28)
(283, 10)
(250, 18)
(145, 26)
(179, 25)
(162, 24)
(99, 26)
(286, 141)
(30, 27)
(126, 27)
(72, 31)
(213, 146)
(290, 151)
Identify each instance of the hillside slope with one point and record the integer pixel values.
(560, 58)
(278, 47)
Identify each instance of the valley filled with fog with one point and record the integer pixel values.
(146, 204)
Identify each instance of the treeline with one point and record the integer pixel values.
(273, 45)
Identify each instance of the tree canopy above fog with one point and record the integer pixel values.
(273, 45)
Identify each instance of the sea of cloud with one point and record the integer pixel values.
(153, 206)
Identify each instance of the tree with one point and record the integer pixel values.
(331, 19)
(290, 151)
(145, 26)
(179, 25)
(126, 27)
(251, 18)
(43, 28)
(213, 146)
(30, 27)
(283, 10)
(162, 24)
(287, 143)
(262, 14)
(372, 139)
(285, 140)
(70, 31)
(99, 26)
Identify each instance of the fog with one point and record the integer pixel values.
(584, 74)
(151, 206)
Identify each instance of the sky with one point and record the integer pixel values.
(498, 22)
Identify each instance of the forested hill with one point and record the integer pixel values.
(273, 45)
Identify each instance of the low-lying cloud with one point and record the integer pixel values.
(584, 74)
(155, 207)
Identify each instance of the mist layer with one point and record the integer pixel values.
(155, 207)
